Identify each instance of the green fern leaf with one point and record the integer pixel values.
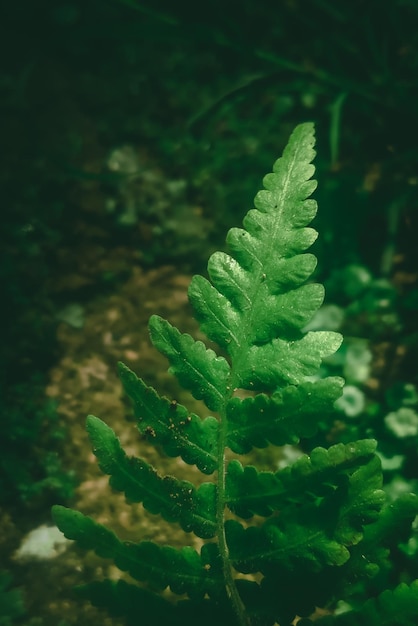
(362, 500)
(171, 426)
(282, 418)
(257, 305)
(381, 538)
(220, 322)
(175, 500)
(283, 362)
(183, 571)
(302, 540)
(391, 608)
(140, 606)
(394, 522)
(123, 599)
(318, 530)
(251, 492)
(197, 368)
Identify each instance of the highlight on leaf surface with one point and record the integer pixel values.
(256, 303)
(197, 368)
(274, 544)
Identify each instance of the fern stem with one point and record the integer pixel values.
(232, 591)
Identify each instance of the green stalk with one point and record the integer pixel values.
(231, 588)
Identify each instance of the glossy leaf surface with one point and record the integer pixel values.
(197, 368)
(257, 303)
(175, 500)
(319, 475)
(282, 418)
(171, 426)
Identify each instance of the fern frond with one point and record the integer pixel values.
(282, 362)
(198, 369)
(256, 306)
(251, 492)
(362, 500)
(380, 539)
(183, 570)
(171, 426)
(175, 500)
(282, 418)
(139, 606)
(301, 540)
(394, 522)
(318, 530)
(123, 599)
(329, 531)
(221, 322)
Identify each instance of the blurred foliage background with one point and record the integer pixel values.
(137, 132)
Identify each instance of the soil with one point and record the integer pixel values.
(85, 381)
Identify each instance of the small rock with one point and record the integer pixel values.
(45, 542)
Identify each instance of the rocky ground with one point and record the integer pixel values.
(85, 381)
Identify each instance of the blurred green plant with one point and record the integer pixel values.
(380, 399)
(31, 471)
(11, 601)
(12, 605)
